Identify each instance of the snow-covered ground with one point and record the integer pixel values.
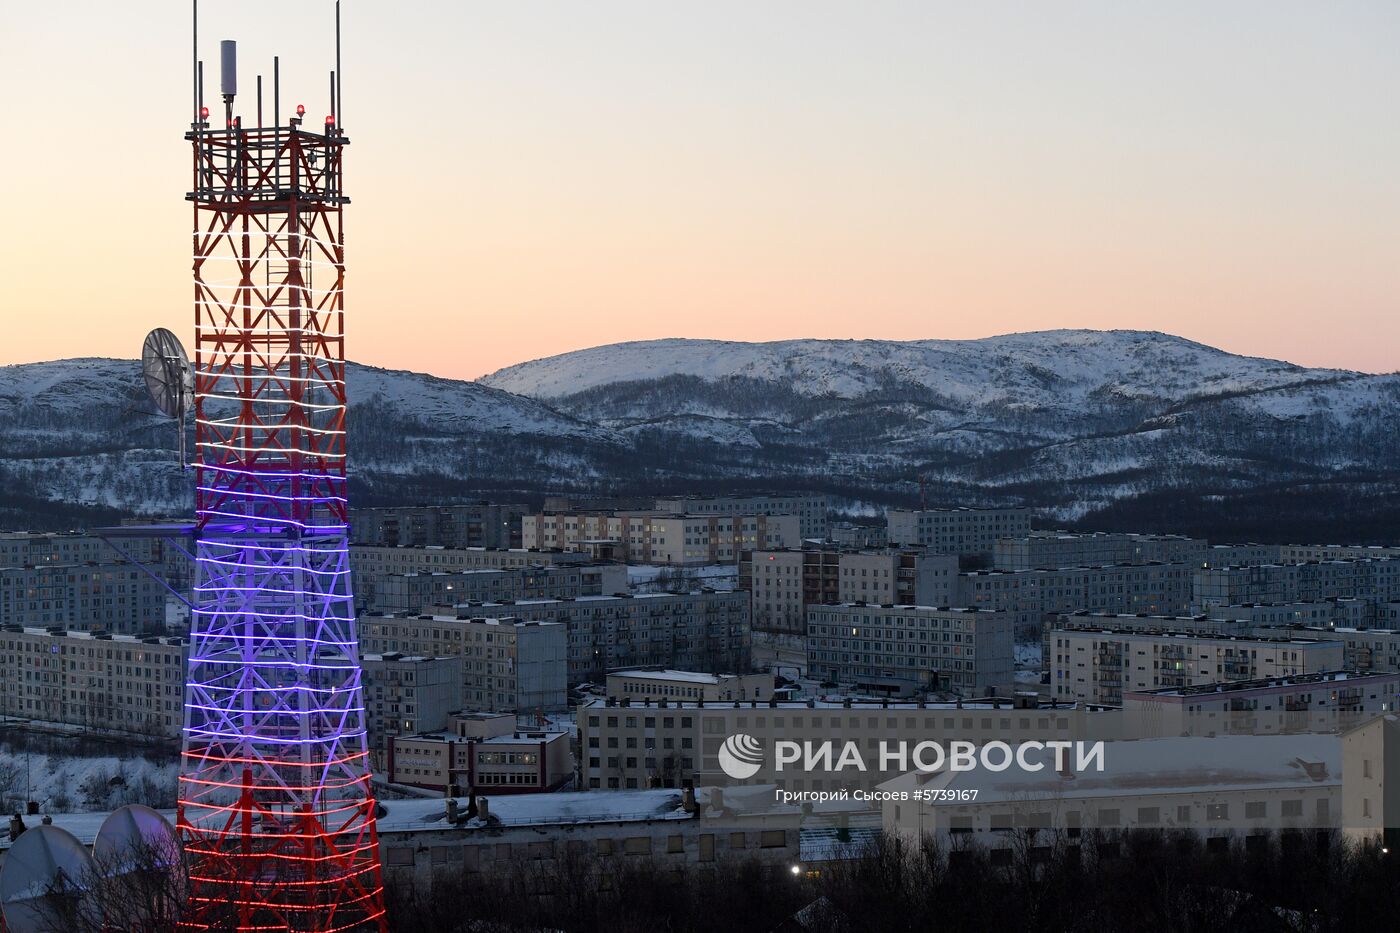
(65, 774)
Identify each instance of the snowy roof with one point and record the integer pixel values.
(693, 677)
(612, 806)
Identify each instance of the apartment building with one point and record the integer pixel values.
(1367, 649)
(810, 508)
(1326, 701)
(405, 694)
(413, 592)
(508, 663)
(1049, 550)
(661, 537)
(110, 683)
(626, 744)
(1031, 597)
(703, 631)
(1246, 785)
(900, 650)
(1098, 665)
(965, 531)
(783, 583)
(857, 537)
(370, 564)
(1346, 612)
(113, 597)
(692, 686)
(468, 524)
(484, 753)
(1376, 581)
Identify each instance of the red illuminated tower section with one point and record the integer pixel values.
(276, 811)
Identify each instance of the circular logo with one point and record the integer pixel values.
(741, 756)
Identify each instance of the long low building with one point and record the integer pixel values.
(1326, 701)
(111, 597)
(704, 631)
(110, 683)
(414, 592)
(1098, 665)
(657, 537)
(1042, 550)
(1243, 784)
(634, 745)
(901, 650)
(482, 753)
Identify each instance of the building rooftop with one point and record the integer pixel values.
(860, 705)
(1267, 683)
(1193, 636)
(690, 677)
(81, 635)
(612, 806)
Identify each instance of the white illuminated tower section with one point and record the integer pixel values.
(275, 812)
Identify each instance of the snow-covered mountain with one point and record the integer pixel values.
(82, 431)
(1072, 421)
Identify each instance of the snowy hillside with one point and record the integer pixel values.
(1071, 421)
(1056, 367)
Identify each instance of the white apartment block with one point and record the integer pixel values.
(1048, 550)
(469, 524)
(1098, 665)
(1324, 701)
(110, 683)
(625, 744)
(663, 538)
(1031, 597)
(1376, 581)
(907, 649)
(641, 685)
(408, 693)
(507, 663)
(783, 583)
(703, 631)
(415, 592)
(482, 753)
(811, 509)
(115, 597)
(370, 564)
(957, 531)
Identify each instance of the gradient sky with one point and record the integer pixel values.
(530, 178)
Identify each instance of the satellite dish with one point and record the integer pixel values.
(131, 834)
(166, 369)
(137, 855)
(44, 862)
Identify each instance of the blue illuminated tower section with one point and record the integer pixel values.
(275, 811)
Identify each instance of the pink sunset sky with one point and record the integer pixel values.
(531, 178)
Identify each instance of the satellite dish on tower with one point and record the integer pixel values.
(45, 862)
(169, 379)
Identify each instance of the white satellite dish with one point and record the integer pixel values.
(44, 862)
(138, 857)
(131, 835)
(169, 379)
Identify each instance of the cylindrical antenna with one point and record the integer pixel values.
(276, 93)
(339, 95)
(199, 80)
(228, 69)
(335, 114)
(260, 122)
(194, 62)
